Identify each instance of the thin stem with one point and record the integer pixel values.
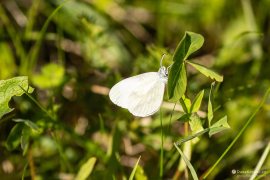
(38, 104)
(170, 121)
(239, 134)
(31, 164)
(60, 150)
(161, 151)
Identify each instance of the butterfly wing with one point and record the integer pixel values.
(142, 95)
(149, 102)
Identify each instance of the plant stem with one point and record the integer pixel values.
(239, 134)
(31, 164)
(161, 151)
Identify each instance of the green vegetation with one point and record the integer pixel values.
(59, 59)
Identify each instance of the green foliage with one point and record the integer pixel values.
(74, 51)
(210, 106)
(190, 167)
(132, 175)
(30, 124)
(7, 62)
(207, 72)
(220, 125)
(177, 80)
(14, 137)
(51, 76)
(9, 88)
(197, 102)
(86, 169)
(21, 133)
(140, 175)
(195, 125)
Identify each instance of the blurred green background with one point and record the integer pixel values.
(73, 57)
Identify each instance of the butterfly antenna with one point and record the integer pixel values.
(169, 67)
(162, 59)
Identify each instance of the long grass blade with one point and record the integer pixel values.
(189, 165)
(261, 161)
(134, 170)
(239, 134)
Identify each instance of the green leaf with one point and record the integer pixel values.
(190, 43)
(189, 165)
(177, 80)
(14, 137)
(140, 175)
(86, 169)
(28, 123)
(9, 88)
(197, 102)
(195, 123)
(207, 72)
(134, 170)
(51, 76)
(210, 114)
(184, 118)
(185, 103)
(219, 126)
(25, 139)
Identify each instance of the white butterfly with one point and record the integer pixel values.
(142, 95)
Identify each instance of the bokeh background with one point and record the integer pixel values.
(73, 57)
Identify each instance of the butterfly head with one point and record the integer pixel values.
(163, 73)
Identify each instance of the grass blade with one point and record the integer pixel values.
(190, 167)
(134, 170)
(239, 134)
(86, 169)
(35, 50)
(261, 161)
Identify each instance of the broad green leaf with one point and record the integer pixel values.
(207, 72)
(190, 43)
(86, 169)
(51, 76)
(189, 165)
(219, 126)
(9, 88)
(210, 107)
(177, 80)
(197, 102)
(195, 125)
(134, 170)
(14, 137)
